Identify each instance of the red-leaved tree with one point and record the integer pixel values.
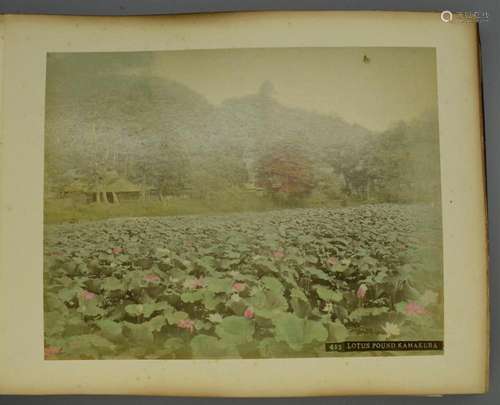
(285, 173)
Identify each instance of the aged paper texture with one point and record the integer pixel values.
(293, 200)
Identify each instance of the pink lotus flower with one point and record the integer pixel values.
(249, 314)
(87, 295)
(278, 254)
(362, 289)
(332, 261)
(187, 324)
(238, 287)
(152, 278)
(413, 308)
(50, 351)
(117, 250)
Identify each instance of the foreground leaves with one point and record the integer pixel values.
(273, 284)
(297, 332)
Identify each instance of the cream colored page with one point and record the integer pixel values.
(462, 368)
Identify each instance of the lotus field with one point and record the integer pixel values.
(249, 285)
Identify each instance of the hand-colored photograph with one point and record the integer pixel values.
(242, 203)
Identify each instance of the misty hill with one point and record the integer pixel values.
(259, 121)
(164, 135)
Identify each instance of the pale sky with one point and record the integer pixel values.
(396, 84)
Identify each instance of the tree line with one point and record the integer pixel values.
(161, 135)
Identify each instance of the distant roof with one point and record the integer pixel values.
(118, 185)
(121, 185)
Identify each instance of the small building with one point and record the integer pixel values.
(112, 191)
(117, 190)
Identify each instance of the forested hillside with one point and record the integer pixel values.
(162, 136)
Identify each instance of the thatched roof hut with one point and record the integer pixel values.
(111, 191)
(77, 186)
(119, 185)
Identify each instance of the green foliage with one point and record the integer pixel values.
(204, 346)
(227, 201)
(400, 164)
(337, 332)
(235, 330)
(298, 332)
(280, 283)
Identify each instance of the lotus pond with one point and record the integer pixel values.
(250, 285)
